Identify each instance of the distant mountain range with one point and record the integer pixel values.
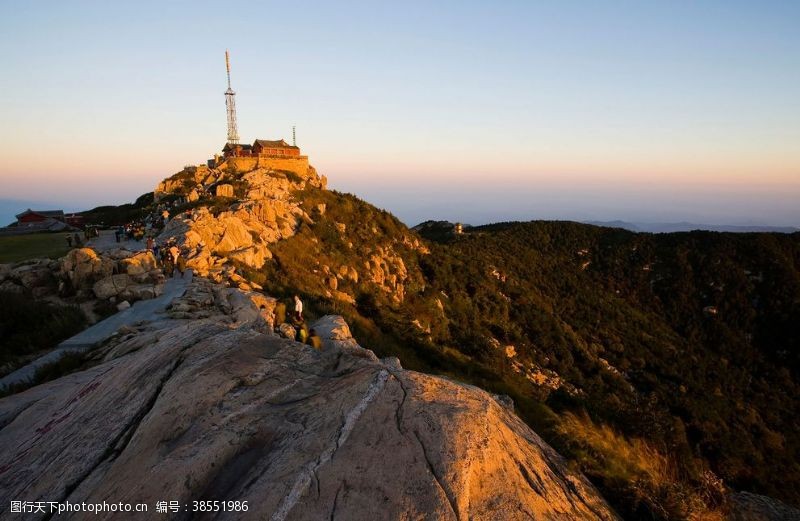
(687, 227)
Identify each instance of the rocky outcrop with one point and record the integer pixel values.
(139, 263)
(263, 211)
(125, 287)
(35, 277)
(335, 334)
(210, 408)
(83, 267)
(84, 275)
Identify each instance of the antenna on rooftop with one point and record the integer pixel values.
(294, 137)
(230, 105)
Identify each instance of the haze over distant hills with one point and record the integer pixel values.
(687, 227)
(10, 207)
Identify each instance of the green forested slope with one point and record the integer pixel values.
(684, 345)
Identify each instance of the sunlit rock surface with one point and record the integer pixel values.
(209, 407)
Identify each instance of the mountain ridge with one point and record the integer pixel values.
(582, 326)
(450, 308)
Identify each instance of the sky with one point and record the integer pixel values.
(467, 111)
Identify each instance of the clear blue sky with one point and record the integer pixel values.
(470, 111)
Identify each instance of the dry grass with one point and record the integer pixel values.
(629, 459)
(649, 477)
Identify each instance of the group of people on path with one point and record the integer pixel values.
(170, 256)
(302, 332)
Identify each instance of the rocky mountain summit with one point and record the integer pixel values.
(235, 216)
(260, 210)
(577, 330)
(208, 403)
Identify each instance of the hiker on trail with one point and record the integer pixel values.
(280, 313)
(177, 259)
(298, 309)
(166, 262)
(314, 340)
(119, 232)
(69, 240)
(165, 216)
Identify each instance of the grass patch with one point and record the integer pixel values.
(635, 475)
(15, 248)
(28, 326)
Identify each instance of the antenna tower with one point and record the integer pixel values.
(294, 137)
(230, 104)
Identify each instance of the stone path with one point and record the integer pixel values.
(100, 332)
(107, 241)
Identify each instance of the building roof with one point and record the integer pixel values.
(279, 143)
(43, 213)
(231, 146)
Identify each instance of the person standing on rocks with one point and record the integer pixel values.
(177, 259)
(298, 308)
(157, 252)
(166, 262)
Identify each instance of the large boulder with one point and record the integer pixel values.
(198, 410)
(139, 263)
(33, 276)
(83, 267)
(287, 331)
(224, 190)
(335, 335)
(236, 235)
(112, 285)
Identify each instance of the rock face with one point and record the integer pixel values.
(210, 408)
(335, 334)
(83, 267)
(264, 213)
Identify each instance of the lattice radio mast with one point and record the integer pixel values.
(230, 104)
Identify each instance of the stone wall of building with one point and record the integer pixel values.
(298, 165)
